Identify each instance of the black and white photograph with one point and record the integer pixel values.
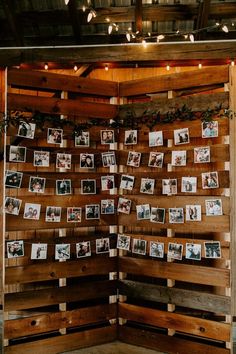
(107, 206)
(202, 154)
(107, 183)
(15, 249)
(86, 160)
(83, 249)
(124, 205)
(212, 249)
(178, 158)
(53, 214)
(55, 136)
(82, 139)
(108, 159)
(32, 211)
(210, 180)
(41, 158)
(12, 205)
(13, 179)
(74, 214)
(155, 139)
(63, 161)
(102, 245)
(147, 185)
(17, 153)
(156, 249)
(123, 242)
(158, 215)
(92, 211)
(156, 159)
(176, 215)
(88, 186)
(175, 251)
(210, 129)
(189, 184)
(127, 182)
(39, 251)
(26, 130)
(131, 137)
(193, 251)
(37, 184)
(62, 251)
(143, 211)
(169, 186)
(134, 159)
(213, 207)
(181, 136)
(193, 212)
(139, 246)
(107, 136)
(63, 186)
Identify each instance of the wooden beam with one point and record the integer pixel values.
(202, 18)
(76, 20)
(138, 16)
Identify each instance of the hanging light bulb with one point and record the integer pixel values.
(185, 36)
(75, 67)
(106, 67)
(160, 37)
(232, 63)
(110, 29)
(46, 66)
(225, 29)
(107, 19)
(191, 37)
(144, 43)
(84, 8)
(200, 66)
(128, 37)
(90, 16)
(67, 2)
(167, 67)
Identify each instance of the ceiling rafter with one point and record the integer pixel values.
(12, 21)
(138, 16)
(76, 19)
(202, 18)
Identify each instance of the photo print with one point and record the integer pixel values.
(102, 245)
(139, 246)
(169, 186)
(12, 205)
(107, 183)
(133, 159)
(74, 214)
(213, 207)
(92, 212)
(202, 154)
(107, 206)
(107, 136)
(123, 242)
(32, 211)
(210, 180)
(82, 138)
(189, 184)
(156, 159)
(83, 249)
(37, 184)
(193, 251)
(176, 215)
(63, 161)
(124, 205)
(26, 130)
(156, 249)
(41, 158)
(88, 186)
(212, 249)
(13, 179)
(131, 137)
(63, 186)
(143, 211)
(127, 182)
(15, 249)
(147, 185)
(17, 153)
(39, 251)
(108, 159)
(181, 136)
(210, 129)
(157, 215)
(155, 139)
(178, 158)
(175, 251)
(53, 214)
(86, 160)
(193, 213)
(62, 251)
(55, 136)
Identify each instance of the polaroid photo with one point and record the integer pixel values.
(63, 161)
(12, 205)
(193, 212)
(147, 185)
(169, 186)
(139, 246)
(37, 184)
(155, 139)
(63, 186)
(193, 251)
(213, 207)
(123, 242)
(189, 184)
(131, 137)
(26, 130)
(62, 251)
(107, 206)
(54, 136)
(127, 182)
(210, 129)
(53, 214)
(178, 158)
(202, 154)
(13, 179)
(82, 139)
(39, 251)
(102, 245)
(83, 249)
(41, 158)
(17, 153)
(107, 183)
(156, 249)
(176, 215)
(157, 215)
(108, 159)
(134, 159)
(143, 211)
(156, 159)
(124, 205)
(92, 212)
(15, 249)
(212, 249)
(32, 211)
(88, 186)
(74, 214)
(175, 251)
(181, 136)
(210, 180)
(107, 136)
(86, 160)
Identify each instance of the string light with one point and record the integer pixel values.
(167, 67)
(111, 27)
(106, 67)
(200, 66)
(232, 63)
(46, 66)
(67, 2)
(225, 29)
(75, 67)
(92, 13)
(191, 37)
(83, 8)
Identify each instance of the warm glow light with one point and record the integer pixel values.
(167, 67)
(67, 2)
(90, 16)
(232, 63)
(106, 67)
(75, 67)
(46, 66)
(160, 37)
(191, 37)
(144, 43)
(128, 37)
(83, 8)
(199, 65)
(109, 29)
(107, 19)
(225, 29)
